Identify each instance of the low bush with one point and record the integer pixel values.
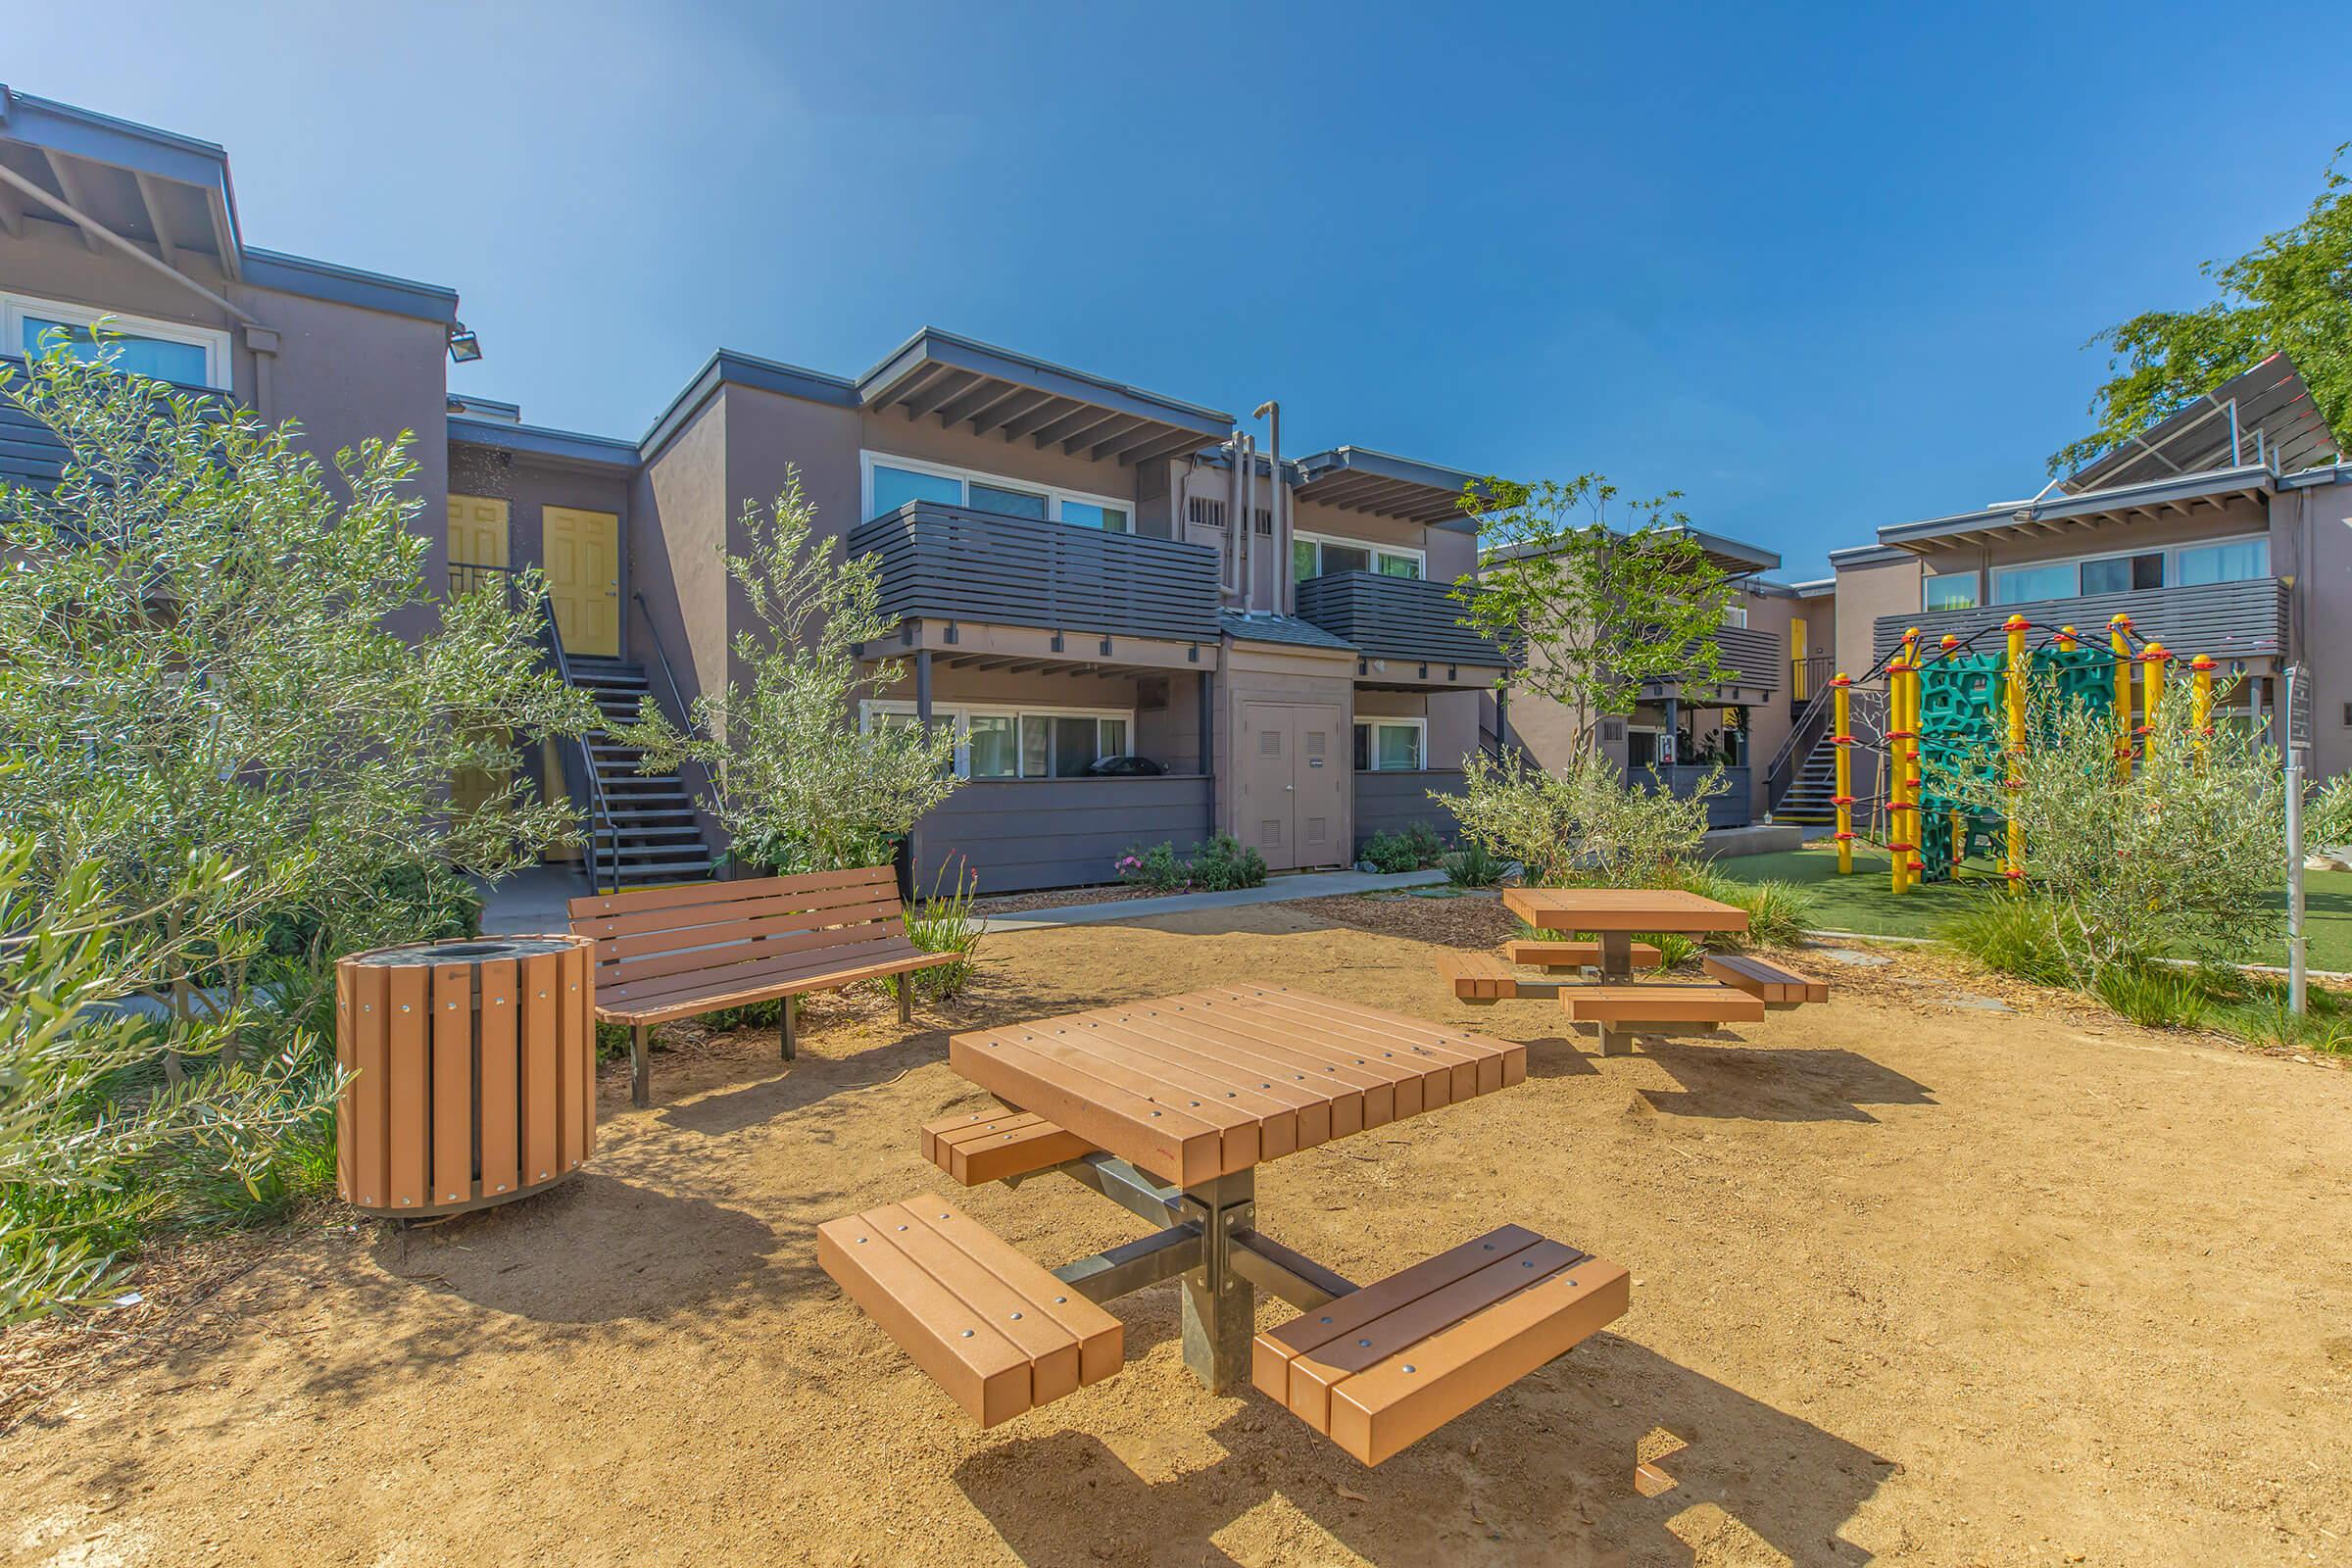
(1473, 865)
(1389, 854)
(1158, 868)
(2155, 995)
(1222, 863)
(2012, 936)
(1778, 912)
(946, 923)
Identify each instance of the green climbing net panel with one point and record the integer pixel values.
(1961, 729)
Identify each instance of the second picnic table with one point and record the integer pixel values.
(1167, 1107)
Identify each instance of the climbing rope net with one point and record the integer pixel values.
(1949, 704)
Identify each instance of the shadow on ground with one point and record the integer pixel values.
(1613, 1455)
(1756, 1083)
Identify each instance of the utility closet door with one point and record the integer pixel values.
(1293, 773)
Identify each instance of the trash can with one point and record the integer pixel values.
(471, 1072)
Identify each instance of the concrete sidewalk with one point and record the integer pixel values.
(1278, 890)
(532, 900)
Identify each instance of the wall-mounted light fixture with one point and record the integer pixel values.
(465, 345)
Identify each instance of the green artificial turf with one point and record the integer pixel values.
(1862, 902)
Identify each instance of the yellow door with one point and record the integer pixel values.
(1796, 657)
(583, 578)
(477, 537)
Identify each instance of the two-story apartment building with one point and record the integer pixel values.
(1140, 627)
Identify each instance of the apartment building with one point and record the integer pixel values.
(1142, 620)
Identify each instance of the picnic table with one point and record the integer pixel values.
(1168, 1107)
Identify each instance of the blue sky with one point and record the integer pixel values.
(1819, 270)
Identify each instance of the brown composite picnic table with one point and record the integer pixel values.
(1167, 1107)
(1616, 914)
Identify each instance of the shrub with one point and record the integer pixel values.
(1427, 848)
(1473, 867)
(1390, 852)
(2155, 995)
(1157, 868)
(944, 922)
(1584, 823)
(2013, 936)
(1222, 863)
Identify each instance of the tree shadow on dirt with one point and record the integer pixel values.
(1590, 1459)
(1757, 1083)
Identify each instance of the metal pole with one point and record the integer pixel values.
(2294, 853)
(2119, 642)
(2014, 696)
(1842, 737)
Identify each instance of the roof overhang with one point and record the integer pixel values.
(2181, 495)
(988, 390)
(2265, 414)
(166, 192)
(562, 446)
(1734, 558)
(1359, 479)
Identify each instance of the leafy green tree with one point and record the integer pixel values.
(799, 783)
(1585, 822)
(1600, 595)
(200, 658)
(2292, 293)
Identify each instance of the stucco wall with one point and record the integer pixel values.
(529, 484)
(1864, 594)
(2319, 521)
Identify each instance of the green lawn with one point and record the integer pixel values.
(1862, 902)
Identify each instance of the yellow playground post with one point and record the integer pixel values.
(2012, 700)
(2200, 698)
(2119, 639)
(1842, 737)
(2151, 694)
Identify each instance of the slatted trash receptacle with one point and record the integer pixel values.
(472, 1072)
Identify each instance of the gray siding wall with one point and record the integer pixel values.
(2224, 620)
(1392, 801)
(1052, 833)
(953, 563)
(1752, 657)
(1731, 809)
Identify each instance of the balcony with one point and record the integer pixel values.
(1753, 669)
(953, 563)
(1398, 619)
(2229, 620)
(29, 455)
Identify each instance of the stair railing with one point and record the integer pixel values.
(601, 828)
(677, 700)
(1864, 712)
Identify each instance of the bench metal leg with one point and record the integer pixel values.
(640, 1071)
(786, 1009)
(906, 998)
(1221, 1304)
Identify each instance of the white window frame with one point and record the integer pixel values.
(14, 308)
(960, 715)
(1369, 547)
(1054, 494)
(1975, 592)
(1734, 615)
(1375, 722)
(2171, 554)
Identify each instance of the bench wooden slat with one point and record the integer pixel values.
(1576, 954)
(983, 1147)
(704, 895)
(673, 927)
(1661, 1003)
(753, 966)
(726, 993)
(1772, 983)
(760, 922)
(997, 1333)
(1466, 1323)
(1478, 976)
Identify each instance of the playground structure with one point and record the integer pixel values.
(1950, 705)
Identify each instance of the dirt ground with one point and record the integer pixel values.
(1918, 1280)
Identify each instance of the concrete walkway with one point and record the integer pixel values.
(1278, 890)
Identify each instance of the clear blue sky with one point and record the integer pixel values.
(1820, 271)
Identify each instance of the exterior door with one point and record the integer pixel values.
(1798, 687)
(583, 578)
(477, 538)
(1292, 775)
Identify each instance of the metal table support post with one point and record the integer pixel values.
(1221, 1304)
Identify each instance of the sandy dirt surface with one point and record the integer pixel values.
(1919, 1280)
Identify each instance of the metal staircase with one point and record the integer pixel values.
(1800, 785)
(646, 830)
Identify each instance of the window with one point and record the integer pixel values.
(1312, 555)
(1952, 590)
(191, 355)
(891, 482)
(2235, 561)
(1388, 745)
(2018, 586)
(1734, 615)
(2120, 574)
(1019, 743)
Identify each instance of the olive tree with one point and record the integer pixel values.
(798, 781)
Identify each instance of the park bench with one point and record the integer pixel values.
(675, 953)
(1000, 1334)
(1383, 1366)
(1769, 983)
(1576, 954)
(1624, 1011)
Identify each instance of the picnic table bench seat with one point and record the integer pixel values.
(675, 953)
(1386, 1365)
(1659, 1003)
(976, 1148)
(1575, 955)
(999, 1333)
(1775, 985)
(1478, 976)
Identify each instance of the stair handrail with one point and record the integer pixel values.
(599, 815)
(1812, 723)
(678, 699)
